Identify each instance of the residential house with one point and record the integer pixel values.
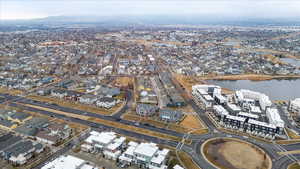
(88, 99)
(106, 102)
(146, 109)
(170, 115)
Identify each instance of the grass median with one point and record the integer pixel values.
(82, 107)
(111, 123)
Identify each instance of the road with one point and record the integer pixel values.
(193, 150)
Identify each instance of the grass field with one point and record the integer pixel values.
(235, 154)
(82, 107)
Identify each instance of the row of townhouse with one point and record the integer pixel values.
(99, 100)
(248, 122)
(169, 115)
(17, 150)
(45, 132)
(111, 146)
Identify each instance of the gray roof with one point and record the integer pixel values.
(7, 139)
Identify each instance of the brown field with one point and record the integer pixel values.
(294, 166)
(180, 128)
(254, 77)
(192, 122)
(82, 107)
(123, 81)
(10, 91)
(235, 154)
(187, 81)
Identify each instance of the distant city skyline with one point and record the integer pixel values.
(30, 9)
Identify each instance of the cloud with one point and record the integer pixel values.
(228, 8)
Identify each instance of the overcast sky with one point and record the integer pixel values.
(27, 9)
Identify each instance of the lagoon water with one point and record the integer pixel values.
(295, 62)
(275, 89)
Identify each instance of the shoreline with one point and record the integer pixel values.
(252, 77)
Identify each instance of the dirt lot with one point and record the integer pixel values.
(235, 154)
(192, 122)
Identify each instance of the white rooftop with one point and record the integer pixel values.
(233, 107)
(248, 115)
(296, 102)
(255, 109)
(146, 149)
(208, 97)
(220, 110)
(235, 118)
(68, 162)
(103, 137)
(116, 143)
(274, 117)
(177, 167)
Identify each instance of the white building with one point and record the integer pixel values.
(248, 98)
(113, 150)
(201, 96)
(274, 117)
(99, 140)
(295, 105)
(146, 155)
(68, 162)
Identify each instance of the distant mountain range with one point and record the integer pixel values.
(153, 20)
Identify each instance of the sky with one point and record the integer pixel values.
(30, 9)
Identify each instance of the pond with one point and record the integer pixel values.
(275, 89)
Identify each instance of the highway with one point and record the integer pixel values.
(193, 150)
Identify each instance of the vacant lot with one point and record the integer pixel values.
(123, 81)
(235, 154)
(190, 122)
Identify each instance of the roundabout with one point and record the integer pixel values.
(231, 153)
